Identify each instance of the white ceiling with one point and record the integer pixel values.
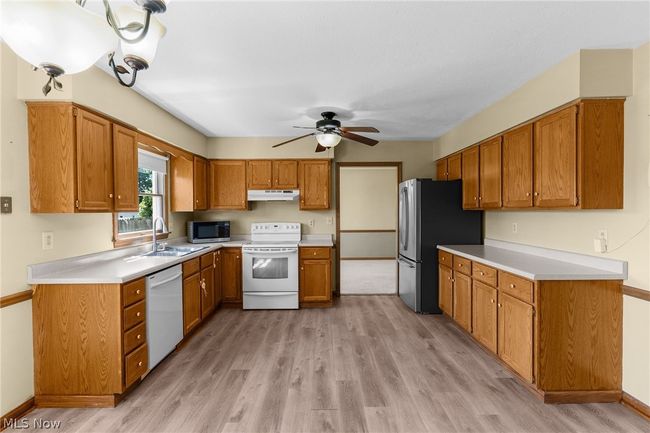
(412, 69)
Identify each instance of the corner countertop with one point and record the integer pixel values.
(538, 264)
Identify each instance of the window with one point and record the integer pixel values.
(133, 227)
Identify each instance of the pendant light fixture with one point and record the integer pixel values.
(62, 37)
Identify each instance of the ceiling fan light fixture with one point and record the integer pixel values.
(328, 139)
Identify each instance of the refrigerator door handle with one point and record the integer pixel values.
(404, 224)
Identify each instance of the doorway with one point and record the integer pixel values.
(366, 195)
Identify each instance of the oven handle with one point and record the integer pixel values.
(256, 252)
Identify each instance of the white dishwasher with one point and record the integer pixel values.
(164, 313)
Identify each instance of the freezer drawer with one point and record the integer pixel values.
(270, 300)
(409, 283)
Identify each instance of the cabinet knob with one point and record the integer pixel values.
(453, 280)
(197, 201)
(140, 364)
(138, 337)
(480, 198)
(449, 278)
(474, 197)
(481, 273)
(302, 268)
(460, 265)
(137, 314)
(442, 259)
(110, 195)
(535, 193)
(492, 301)
(119, 196)
(499, 305)
(137, 292)
(512, 286)
(527, 194)
(314, 252)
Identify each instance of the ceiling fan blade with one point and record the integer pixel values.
(359, 138)
(293, 139)
(306, 127)
(359, 129)
(320, 148)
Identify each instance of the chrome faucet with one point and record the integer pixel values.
(154, 246)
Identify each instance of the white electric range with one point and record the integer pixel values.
(270, 266)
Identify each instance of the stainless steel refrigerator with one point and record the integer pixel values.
(430, 214)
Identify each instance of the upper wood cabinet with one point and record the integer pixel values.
(441, 169)
(125, 168)
(490, 174)
(200, 182)
(518, 167)
(260, 174)
(470, 169)
(227, 182)
(285, 174)
(556, 159)
(454, 167)
(182, 183)
(314, 180)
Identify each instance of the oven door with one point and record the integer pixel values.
(270, 269)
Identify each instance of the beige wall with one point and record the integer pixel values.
(20, 232)
(590, 73)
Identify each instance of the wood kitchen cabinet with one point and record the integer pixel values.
(484, 314)
(217, 278)
(454, 167)
(207, 289)
(462, 300)
(272, 174)
(446, 290)
(191, 302)
(515, 335)
(125, 168)
(314, 180)
(470, 169)
(227, 184)
(231, 275)
(315, 285)
(490, 174)
(260, 174)
(518, 167)
(200, 183)
(285, 174)
(181, 182)
(441, 169)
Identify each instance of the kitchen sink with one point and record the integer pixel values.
(173, 252)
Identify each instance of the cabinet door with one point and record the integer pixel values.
(518, 167)
(207, 291)
(228, 184)
(314, 180)
(231, 275)
(470, 170)
(315, 280)
(516, 335)
(125, 168)
(200, 183)
(191, 302)
(556, 159)
(445, 290)
(454, 169)
(182, 184)
(441, 169)
(484, 315)
(463, 300)
(490, 174)
(94, 163)
(260, 174)
(217, 278)
(285, 174)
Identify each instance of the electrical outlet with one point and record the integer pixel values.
(47, 240)
(330, 221)
(311, 223)
(515, 228)
(602, 234)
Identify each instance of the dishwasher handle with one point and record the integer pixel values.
(165, 281)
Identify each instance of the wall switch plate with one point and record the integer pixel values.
(5, 205)
(311, 223)
(515, 228)
(47, 240)
(600, 245)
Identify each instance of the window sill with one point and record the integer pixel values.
(137, 239)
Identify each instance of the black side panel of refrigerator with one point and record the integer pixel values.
(443, 222)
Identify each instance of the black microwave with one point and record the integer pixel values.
(208, 231)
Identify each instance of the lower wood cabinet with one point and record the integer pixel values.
(516, 335)
(484, 314)
(463, 300)
(207, 287)
(198, 290)
(315, 277)
(445, 289)
(217, 278)
(231, 275)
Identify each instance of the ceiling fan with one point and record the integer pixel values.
(328, 132)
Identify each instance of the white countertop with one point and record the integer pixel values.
(536, 263)
(316, 241)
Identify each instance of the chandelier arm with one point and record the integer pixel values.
(134, 73)
(112, 22)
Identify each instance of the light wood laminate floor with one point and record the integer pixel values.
(368, 364)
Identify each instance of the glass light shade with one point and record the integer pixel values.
(328, 139)
(146, 48)
(59, 33)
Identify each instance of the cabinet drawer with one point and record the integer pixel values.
(463, 265)
(135, 337)
(484, 274)
(206, 260)
(134, 315)
(516, 286)
(136, 364)
(191, 267)
(133, 292)
(445, 258)
(315, 253)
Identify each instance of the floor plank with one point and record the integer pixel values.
(367, 365)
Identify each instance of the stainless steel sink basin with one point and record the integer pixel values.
(174, 252)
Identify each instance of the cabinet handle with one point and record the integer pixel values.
(492, 301)
(481, 273)
(138, 337)
(480, 198)
(449, 278)
(474, 197)
(137, 314)
(314, 252)
(460, 265)
(512, 286)
(197, 201)
(110, 195)
(302, 268)
(442, 259)
(119, 197)
(453, 280)
(499, 305)
(140, 364)
(527, 194)
(535, 193)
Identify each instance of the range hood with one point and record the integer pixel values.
(273, 195)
